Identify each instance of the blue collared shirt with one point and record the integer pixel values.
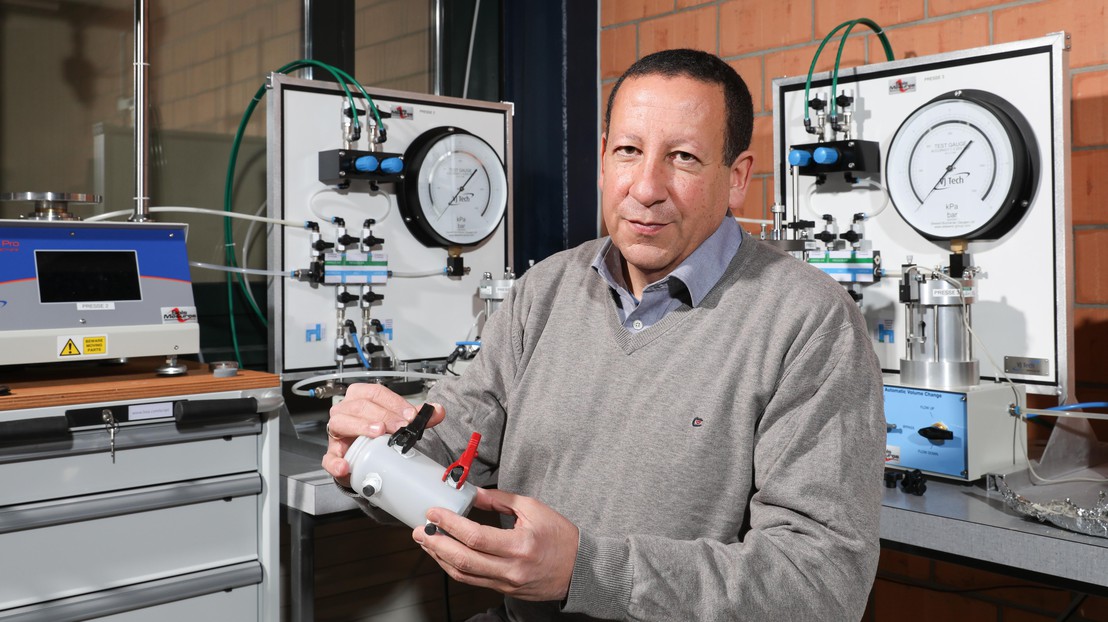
(688, 284)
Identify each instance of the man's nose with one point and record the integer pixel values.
(650, 183)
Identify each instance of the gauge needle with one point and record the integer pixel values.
(463, 187)
(946, 172)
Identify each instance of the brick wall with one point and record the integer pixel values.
(764, 39)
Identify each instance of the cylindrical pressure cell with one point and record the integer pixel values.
(404, 485)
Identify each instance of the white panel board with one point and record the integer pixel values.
(1023, 307)
(424, 317)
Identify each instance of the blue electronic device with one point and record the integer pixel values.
(73, 290)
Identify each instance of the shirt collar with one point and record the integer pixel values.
(699, 272)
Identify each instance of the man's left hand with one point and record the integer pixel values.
(532, 561)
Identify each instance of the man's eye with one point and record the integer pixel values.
(626, 150)
(684, 156)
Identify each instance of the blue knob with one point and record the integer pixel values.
(826, 155)
(392, 165)
(799, 157)
(366, 164)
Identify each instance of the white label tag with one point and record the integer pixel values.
(139, 412)
(95, 306)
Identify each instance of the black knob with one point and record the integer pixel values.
(850, 236)
(892, 477)
(914, 483)
(345, 350)
(372, 240)
(321, 246)
(347, 298)
(347, 239)
(936, 433)
(372, 297)
(825, 236)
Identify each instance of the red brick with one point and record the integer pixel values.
(1089, 185)
(1027, 594)
(945, 36)
(688, 29)
(1090, 337)
(751, 71)
(942, 7)
(1090, 115)
(796, 62)
(1091, 254)
(684, 4)
(831, 13)
(750, 25)
(1086, 21)
(617, 50)
(903, 603)
(617, 11)
(761, 143)
(904, 565)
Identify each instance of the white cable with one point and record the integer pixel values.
(356, 209)
(469, 333)
(298, 388)
(417, 275)
(469, 57)
(211, 266)
(876, 185)
(246, 251)
(753, 221)
(200, 210)
(868, 183)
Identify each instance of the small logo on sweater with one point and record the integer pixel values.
(697, 422)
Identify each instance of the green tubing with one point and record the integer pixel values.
(865, 21)
(342, 78)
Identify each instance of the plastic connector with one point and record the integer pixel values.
(799, 157)
(458, 471)
(407, 436)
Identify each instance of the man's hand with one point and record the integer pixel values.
(368, 410)
(532, 561)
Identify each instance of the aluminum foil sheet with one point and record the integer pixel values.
(1062, 513)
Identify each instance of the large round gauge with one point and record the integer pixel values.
(455, 188)
(964, 165)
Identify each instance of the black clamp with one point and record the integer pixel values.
(408, 435)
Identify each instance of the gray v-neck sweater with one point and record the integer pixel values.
(722, 464)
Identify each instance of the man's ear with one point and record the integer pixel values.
(741, 170)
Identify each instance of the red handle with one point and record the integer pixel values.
(465, 461)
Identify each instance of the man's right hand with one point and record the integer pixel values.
(367, 410)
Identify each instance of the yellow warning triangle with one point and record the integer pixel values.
(70, 349)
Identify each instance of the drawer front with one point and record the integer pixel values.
(66, 559)
(234, 606)
(88, 473)
(229, 593)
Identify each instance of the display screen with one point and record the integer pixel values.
(87, 276)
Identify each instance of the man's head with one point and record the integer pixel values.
(674, 158)
(703, 67)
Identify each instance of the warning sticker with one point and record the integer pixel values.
(70, 349)
(82, 345)
(96, 345)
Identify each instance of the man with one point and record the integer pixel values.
(682, 423)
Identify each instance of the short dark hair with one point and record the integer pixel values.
(703, 67)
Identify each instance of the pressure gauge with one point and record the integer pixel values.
(964, 165)
(455, 188)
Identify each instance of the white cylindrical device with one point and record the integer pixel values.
(404, 485)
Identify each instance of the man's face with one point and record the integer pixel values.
(665, 186)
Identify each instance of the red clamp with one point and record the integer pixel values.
(459, 469)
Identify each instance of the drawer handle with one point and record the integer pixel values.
(34, 429)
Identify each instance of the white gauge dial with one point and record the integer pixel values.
(962, 166)
(456, 189)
